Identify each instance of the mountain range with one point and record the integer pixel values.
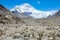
(25, 13)
(27, 10)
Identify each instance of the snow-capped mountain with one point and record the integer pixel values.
(57, 14)
(27, 10)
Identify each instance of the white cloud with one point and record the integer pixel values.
(38, 2)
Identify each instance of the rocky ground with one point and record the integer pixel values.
(29, 32)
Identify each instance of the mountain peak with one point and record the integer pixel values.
(27, 5)
(23, 8)
(27, 8)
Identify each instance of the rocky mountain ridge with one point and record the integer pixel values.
(7, 16)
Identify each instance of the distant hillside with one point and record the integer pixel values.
(8, 17)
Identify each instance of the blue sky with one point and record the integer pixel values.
(38, 4)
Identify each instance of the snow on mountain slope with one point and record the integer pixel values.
(35, 13)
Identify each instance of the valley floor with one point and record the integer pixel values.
(25, 32)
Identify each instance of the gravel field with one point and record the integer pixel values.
(22, 32)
